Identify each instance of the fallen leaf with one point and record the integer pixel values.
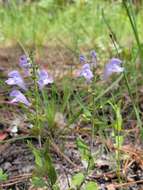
(110, 187)
(3, 136)
(60, 120)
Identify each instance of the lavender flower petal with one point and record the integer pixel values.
(113, 66)
(93, 54)
(93, 58)
(25, 64)
(86, 72)
(82, 59)
(44, 79)
(15, 79)
(23, 60)
(86, 66)
(19, 97)
(10, 81)
(13, 74)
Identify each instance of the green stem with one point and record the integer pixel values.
(109, 88)
(93, 115)
(139, 122)
(37, 99)
(85, 175)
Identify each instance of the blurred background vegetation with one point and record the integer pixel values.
(77, 25)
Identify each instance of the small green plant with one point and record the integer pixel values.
(79, 179)
(85, 154)
(79, 182)
(91, 185)
(44, 174)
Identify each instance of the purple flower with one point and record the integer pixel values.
(113, 66)
(93, 54)
(24, 62)
(15, 79)
(86, 66)
(19, 97)
(86, 72)
(44, 79)
(82, 59)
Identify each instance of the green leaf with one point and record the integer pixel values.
(3, 176)
(38, 158)
(77, 179)
(119, 121)
(85, 153)
(87, 115)
(91, 186)
(38, 182)
(55, 187)
(50, 168)
(43, 163)
(37, 155)
(81, 145)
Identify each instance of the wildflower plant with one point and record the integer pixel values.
(88, 66)
(36, 99)
(119, 138)
(26, 64)
(42, 99)
(45, 102)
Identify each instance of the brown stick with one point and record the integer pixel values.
(61, 154)
(128, 183)
(16, 179)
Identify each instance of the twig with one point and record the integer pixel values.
(110, 175)
(128, 183)
(61, 154)
(16, 179)
(16, 139)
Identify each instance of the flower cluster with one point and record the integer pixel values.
(113, 66)
(43, 78)
(25, 64)
(86, 70)
(15, 79)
